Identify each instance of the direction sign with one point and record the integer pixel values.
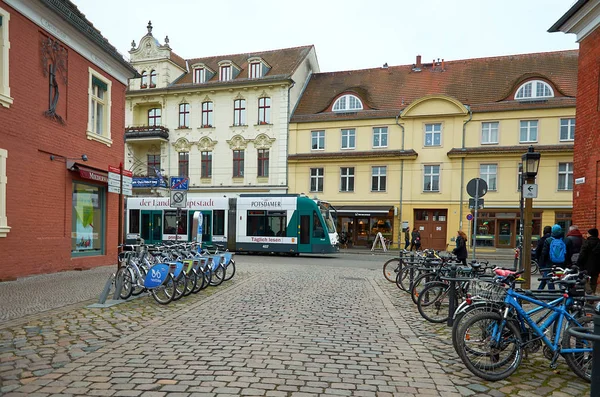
(479, 203)
(178, 183)
(178, 199)
(477, 187)
(530, 191)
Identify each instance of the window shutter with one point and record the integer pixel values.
(101, 84)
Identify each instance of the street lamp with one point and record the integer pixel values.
(531, 164)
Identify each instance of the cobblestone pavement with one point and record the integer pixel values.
(274, 330)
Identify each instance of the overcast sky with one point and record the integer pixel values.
(347, 34)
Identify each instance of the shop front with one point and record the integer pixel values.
(500, 229)
(359, 225)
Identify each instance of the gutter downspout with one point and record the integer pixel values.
(401, 180)
(462, 168)
(287, 141)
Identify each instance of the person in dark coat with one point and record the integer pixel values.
(589, 258)
(461, 247)
(406, 237)
(557, 233)
(574, 240)
(416, 239)
(540, 245)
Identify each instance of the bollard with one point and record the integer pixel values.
(452, 296)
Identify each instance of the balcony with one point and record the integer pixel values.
(146, 133)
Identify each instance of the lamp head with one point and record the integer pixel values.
(84, 157)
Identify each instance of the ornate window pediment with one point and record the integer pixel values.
(262, 141)
(238, 142)
(182, 145)
(206, 144)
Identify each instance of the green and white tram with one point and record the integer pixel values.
(287, 223)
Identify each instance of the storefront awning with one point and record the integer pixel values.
(363, 210)
(88, 173)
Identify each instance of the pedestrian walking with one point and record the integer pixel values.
(416, 239)
(554, 253)
(574, 241)
(461, 247)
(538, 249)
(406, 238)
(589, 258)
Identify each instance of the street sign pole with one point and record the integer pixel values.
(475, 219)
(526, 250)
(120, 234)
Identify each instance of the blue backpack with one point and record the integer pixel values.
(558, 250)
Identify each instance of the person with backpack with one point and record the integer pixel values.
(574, 242)
(589, 258)
(554, 253)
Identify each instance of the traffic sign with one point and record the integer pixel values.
(530, 191)
(479, 203)
(178, 199)
(178, 183)
(469, 217)
(477, 187)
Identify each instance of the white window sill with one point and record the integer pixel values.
(100, 138)
(5, 100)
(489, 143)
(4, 231)
(380, 147)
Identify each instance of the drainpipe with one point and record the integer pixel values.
(401, 180)
(462, 167)
(287, 141)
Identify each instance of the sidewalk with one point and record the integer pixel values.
(503, 254)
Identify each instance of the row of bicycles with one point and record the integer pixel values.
(495, 323)
(170, 272)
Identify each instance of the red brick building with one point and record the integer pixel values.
(62, 116)
(583, 19)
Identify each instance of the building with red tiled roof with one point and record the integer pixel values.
(221, 121)
(395, 146)
(583, 19)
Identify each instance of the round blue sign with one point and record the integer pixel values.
(470, 217)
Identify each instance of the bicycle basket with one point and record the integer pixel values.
(487, 291)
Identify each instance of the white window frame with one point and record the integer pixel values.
(319, 176)
(569, 123)
(5, 98)
(485, 172)
(532, 85)
(348, 176)
(319, 134)
(199, 75)
(91, 132)
(431, 175)
(379, 133)
(433, 133)
(568, 175)
(493, 126)
(4, 228)
(348, 134)
(252, 73)
(225, 72)
(529, 129)
(379, 175)
(342, 104)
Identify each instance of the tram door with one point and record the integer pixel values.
(151, 228)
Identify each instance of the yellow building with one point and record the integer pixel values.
(397, 145)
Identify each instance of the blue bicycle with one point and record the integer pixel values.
(492, 344)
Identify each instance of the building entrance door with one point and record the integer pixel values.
(432, 225)
(506, 233)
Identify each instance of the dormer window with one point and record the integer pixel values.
(199, 75)
(347, 103)
(144, 82)
(534, 89)
(225, 73)
(152, 78)
(255, 70)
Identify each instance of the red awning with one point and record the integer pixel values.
(90, 173)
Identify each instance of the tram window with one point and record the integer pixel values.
(169, 224)
(318, 230)
(219, 222)
(134, 221)
(266, 223)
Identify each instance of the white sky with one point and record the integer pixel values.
(348, 34)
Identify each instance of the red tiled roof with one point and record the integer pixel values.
(283, 63)
(179, 61)
(486, 84)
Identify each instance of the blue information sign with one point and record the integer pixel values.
(178, 183)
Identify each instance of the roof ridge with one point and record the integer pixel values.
(251, 52)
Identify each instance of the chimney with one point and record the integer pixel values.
(418, 61)
(443, 64)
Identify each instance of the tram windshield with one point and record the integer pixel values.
(326, 211)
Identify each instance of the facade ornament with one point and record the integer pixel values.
(167, 40)
(262, 141)
(149, 27)
(133, 44)
(264, 95)
(239, 96)
(54, 63)
(207, 99)
(206, 144)
(182, 145)
(238, 142)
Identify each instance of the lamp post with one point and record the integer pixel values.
(531, 163)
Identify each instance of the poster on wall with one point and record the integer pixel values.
(84, 222)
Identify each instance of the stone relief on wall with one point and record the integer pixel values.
(206, 144)
(182, 145)
(262, 141)
(238, 142)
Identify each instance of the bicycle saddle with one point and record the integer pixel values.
(504, 272)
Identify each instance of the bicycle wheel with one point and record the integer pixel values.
(535, 268)
(230, 270)
(164, 293)
(580, 363)
(404, 277)
(434, 301)
(483, 356)
(125, 276)
(199, 281)
(192, 281)
(391, 269)
(218, 276)
(139, 282)
(419, 284)
(180, 286)
(468, 312)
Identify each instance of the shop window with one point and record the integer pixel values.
(87, 220)
(170, 225)
(485, 232)
(564, 219)
(382, 225)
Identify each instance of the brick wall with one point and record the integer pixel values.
(39, 191)
(586, 197)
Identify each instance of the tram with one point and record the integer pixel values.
(278, 223)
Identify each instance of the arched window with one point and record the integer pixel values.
(534, 89)
(347, 103)
(144, 83)
(152, 78)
